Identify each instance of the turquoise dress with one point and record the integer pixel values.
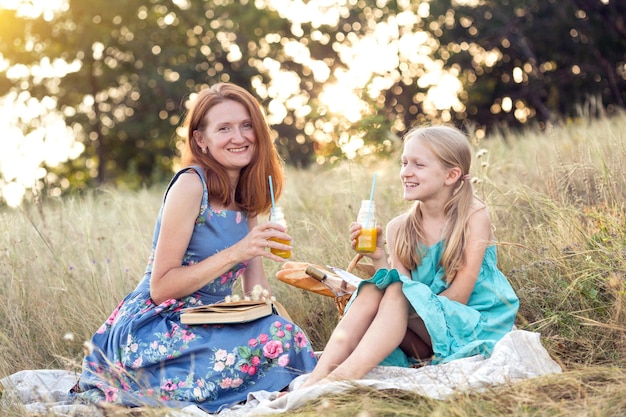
(456, 330)
(144, 355)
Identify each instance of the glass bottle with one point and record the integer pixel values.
(333, 282)
(366, 242)
(278, 216)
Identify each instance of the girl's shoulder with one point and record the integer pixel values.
(394, 225)
(479, 218)
(478, 207)
(397, 221)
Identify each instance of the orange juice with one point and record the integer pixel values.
(281, 252)
(366, 242)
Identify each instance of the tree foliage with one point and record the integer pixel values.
(516, 62)
(528, 60)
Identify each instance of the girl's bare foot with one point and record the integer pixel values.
(319, 382)
(305, 385)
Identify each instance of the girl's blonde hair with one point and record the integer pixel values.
(253, 193)
(452, 148)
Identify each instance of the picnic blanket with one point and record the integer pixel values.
(516, 357)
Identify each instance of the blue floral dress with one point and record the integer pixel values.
(456, 330)
(143, 355)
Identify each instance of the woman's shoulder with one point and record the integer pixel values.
(187, 182)
(191, 170)
(189, 177)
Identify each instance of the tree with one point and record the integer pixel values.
(535, 60)
(504, 63)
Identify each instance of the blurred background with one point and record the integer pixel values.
(92, 92)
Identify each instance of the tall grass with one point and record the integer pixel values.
(557, 199)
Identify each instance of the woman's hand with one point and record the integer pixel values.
(258, 242)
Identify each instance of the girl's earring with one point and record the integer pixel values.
(204, 151)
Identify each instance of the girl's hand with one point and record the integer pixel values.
(379, 253)
(355, 230)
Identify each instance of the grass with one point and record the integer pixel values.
(557, 199)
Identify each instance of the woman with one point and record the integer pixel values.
(445, 297)
(206, 238)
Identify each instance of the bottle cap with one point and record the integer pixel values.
(315, 273)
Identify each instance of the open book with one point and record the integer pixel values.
(227, 312)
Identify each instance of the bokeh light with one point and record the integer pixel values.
(372, 64)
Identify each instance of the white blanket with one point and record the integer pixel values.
(518, 356)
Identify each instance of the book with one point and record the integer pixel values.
(227, 312)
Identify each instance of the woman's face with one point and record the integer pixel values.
(229, 135)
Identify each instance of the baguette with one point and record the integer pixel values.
(293, 273)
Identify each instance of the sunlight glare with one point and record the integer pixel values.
(340, 99)
(351, 145)
(22, 156)
(444, 93)
(373, 58)
(470, 3)
(12, 193)
(315, 12)
(35, 8)
(302, 55)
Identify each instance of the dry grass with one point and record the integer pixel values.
(558, 201)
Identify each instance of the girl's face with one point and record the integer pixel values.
(422, 173)
(229, 135)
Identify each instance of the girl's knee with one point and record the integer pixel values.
(394, 291)
(395, 297)
(370, 293)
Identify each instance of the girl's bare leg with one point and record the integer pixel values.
(384, 334)
(416, 342)
(348, 333)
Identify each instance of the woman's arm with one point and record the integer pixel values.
(172, 280)
(255, 274)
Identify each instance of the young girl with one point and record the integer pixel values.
(445, 297)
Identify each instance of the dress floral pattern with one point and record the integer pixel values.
(143, 355)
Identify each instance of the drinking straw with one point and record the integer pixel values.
(369, 212)
(373, 185)
(272, 192)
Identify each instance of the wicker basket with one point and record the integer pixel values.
(363, 270)
(341, 302)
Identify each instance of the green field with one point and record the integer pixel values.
(558, 201)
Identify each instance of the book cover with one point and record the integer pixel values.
(227, 312)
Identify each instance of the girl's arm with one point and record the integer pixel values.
(181, 208)
(392, 232)
(480, 236)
